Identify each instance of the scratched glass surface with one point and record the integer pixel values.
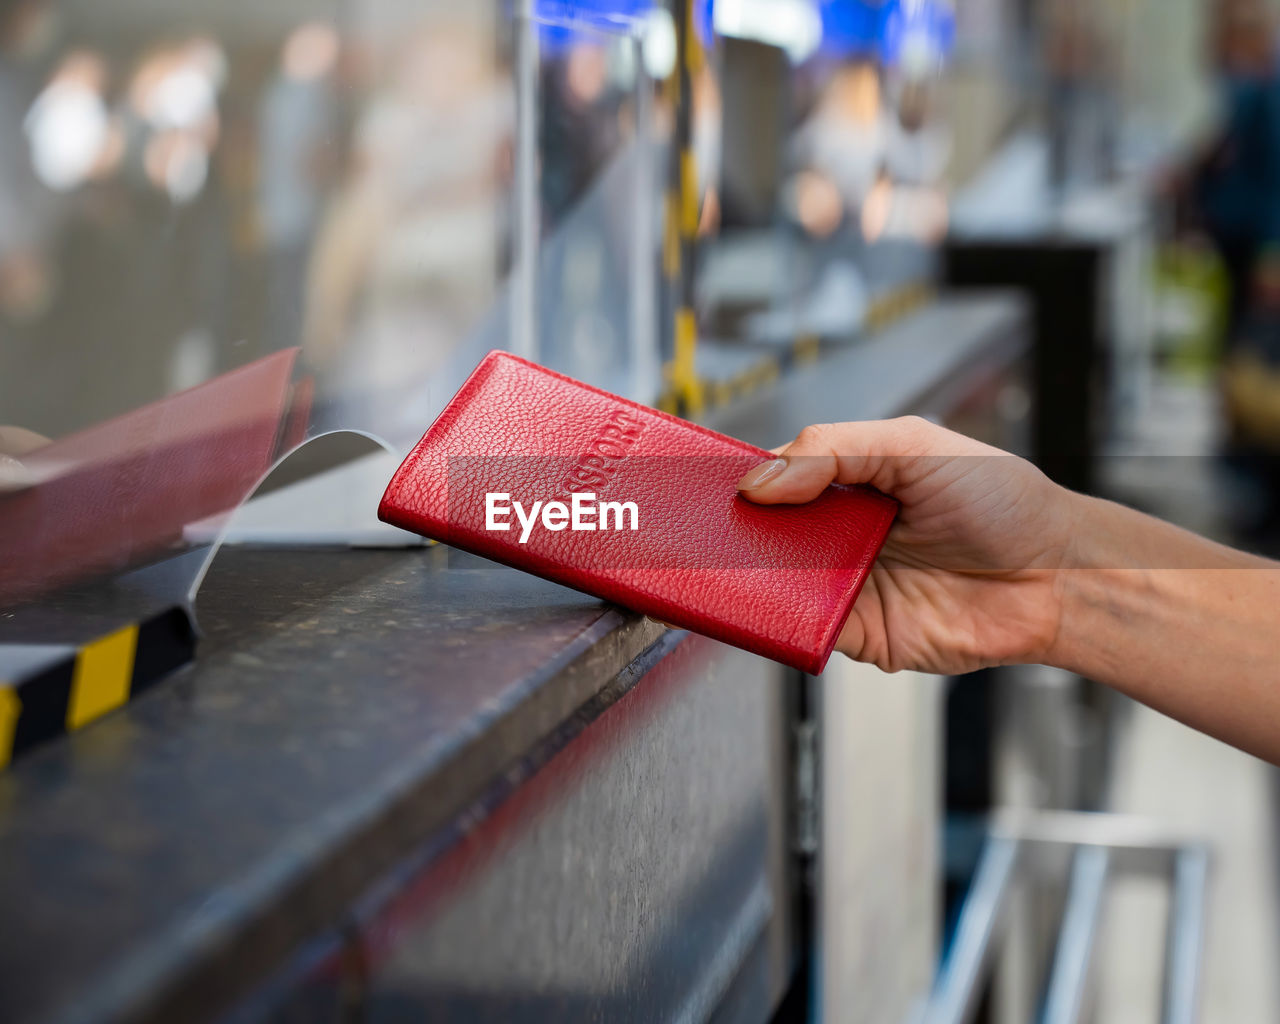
(227, 228)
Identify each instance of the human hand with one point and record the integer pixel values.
(970, 574)
(26, 286)
(15, 442)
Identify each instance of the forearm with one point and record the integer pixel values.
(1184, 625)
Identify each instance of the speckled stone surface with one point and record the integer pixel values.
(344, 704)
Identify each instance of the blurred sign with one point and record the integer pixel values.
(915, 33)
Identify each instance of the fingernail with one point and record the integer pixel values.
(14, 476)
(762, 474)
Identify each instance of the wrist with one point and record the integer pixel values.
(1090, 557)
(1124, 575)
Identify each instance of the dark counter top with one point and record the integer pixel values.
(344, 706)
(332, 718)
(919, 364)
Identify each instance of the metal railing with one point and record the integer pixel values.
(1101, 847)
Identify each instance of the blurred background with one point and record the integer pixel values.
(234, 232)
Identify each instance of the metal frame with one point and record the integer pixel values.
(1100, 847)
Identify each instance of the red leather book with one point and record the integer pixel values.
(672, 537)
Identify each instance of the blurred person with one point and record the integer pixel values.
(919, 148)
(1232, 187)
(183, 214)
(841, 149)
(72, 136)
(707, 112)
(708, 117)
(907, 200)
(408, 254)
(577, 124)
(1082, 109)
(296, 145)
(27, 207)
(1250, 382)
(28, 220)
(1253, 383)
(1234, 182)
(991, 563)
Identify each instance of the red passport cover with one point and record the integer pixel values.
(776, 580)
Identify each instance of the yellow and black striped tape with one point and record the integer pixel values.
(688, 394)
(896, 304)
(804, 351)
(77, 685)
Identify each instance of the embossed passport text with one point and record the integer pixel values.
(775, 580)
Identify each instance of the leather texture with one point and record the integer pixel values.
(775, 580)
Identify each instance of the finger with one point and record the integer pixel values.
(875, 452)
(14, 476)
(18, 441)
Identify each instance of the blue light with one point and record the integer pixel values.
(564, 22)
(929, 21)
(852, 27)
(704, 19)
(877, 30)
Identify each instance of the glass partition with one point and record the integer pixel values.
(831, 197)
(227, 227)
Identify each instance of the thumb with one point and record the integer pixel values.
(875, 452)
(14, 476)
